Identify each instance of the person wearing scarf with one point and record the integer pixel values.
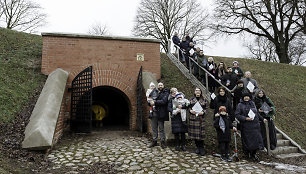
(196, 126)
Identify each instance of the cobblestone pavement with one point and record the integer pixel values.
(130, 154)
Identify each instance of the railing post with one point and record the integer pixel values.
(206, 79)
(189, 65)
(268, 138)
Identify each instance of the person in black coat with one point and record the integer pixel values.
(229, 79)
(223, 125)
(177, 106)
(249, 118)
(160, 115)
(222, 100)
(176, 39)
(260, 99)
(184, 45)
(211, 67)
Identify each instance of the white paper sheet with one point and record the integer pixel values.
(266, 108)
(236, 71)
(191, 51)
(251, 114)
(213, 96)
(211, 66)
(197, 108)
(250, 86)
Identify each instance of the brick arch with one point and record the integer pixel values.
(117, 76)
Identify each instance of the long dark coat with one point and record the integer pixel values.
(272, 131)
(177, 124)
(250, 130)
(226, 136)
(161, 105)
(211, 81)
(196, 126)
(222, 101)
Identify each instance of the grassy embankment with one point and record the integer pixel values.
(284, 84)
(20, 61)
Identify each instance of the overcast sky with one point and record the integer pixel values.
(76, 16)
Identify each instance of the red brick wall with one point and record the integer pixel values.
(113, 60)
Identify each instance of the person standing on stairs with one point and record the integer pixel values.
(249, 83)
(196, 126)
(177, 106)
(248, 117)
(266, 109)
(159, 115)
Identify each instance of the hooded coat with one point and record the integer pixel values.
(223, 101)
(250, 130)
(272, 131)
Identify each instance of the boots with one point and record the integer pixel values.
(163, 144)
(202, 151)
(183, 139)
(177, 142)
(153, 143)
(198, 148)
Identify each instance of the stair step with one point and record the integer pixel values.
(285, 150)
(282, 142)
(289, 155)
(279, 136)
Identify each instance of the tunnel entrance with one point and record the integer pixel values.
(110, 108)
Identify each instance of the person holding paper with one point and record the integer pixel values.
(223, 125)
(212, 70)
(266, 109)
(229, 79)
(178, 118)
(249, 83)
(248, 117)
(222, 100)
(196, 127)
(237, 70)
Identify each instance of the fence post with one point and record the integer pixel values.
(206, 79)
(268, 138)
(189, 68)
(169, 46)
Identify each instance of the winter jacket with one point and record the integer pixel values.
(238, 72)
(176, 40)
(231, 78)
(250, 130)
(226, 135)
(222, 101)
(177, 125)
(161, 106)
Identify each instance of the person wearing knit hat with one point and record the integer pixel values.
(266, 109)
(178, 120)
(223, 126)
(237, 70)
(249, 118)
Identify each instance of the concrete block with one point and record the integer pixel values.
(40, 130)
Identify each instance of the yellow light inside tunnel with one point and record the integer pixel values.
(99, 111)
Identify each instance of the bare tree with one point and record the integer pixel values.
(160, 18)
(98, 29)
(278, 21)
(22, 15)
(262, 49)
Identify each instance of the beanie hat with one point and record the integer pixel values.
(222, 108)
(236, 62)
(178, 95)
(246, 94)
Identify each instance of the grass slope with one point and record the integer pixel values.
(286, 86)
(20, 57)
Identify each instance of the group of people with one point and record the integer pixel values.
(164, 102)
(245, 102)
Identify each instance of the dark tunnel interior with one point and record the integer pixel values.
(116, 105)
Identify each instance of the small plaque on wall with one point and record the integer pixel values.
(140, 57)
